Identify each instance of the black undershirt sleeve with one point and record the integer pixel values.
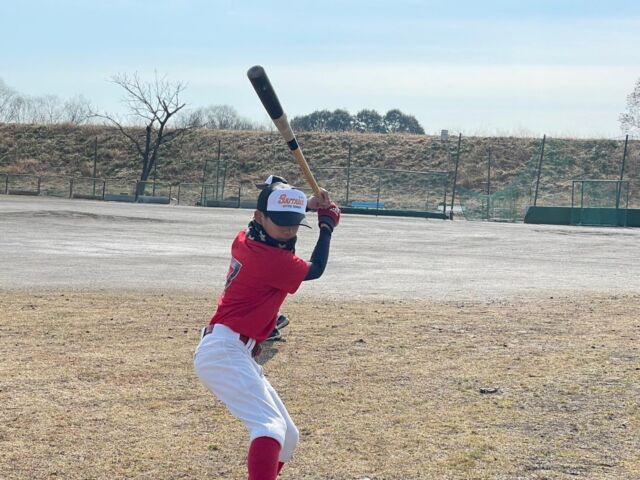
(320, 255)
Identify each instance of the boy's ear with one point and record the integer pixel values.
(258, 216)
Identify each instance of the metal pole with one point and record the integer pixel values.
(155, 169)
(204, 175)
(446, 179)
(378, 198)
(179, 185)
(455, 180)
(489, 186)
(224, 180)
(535, 198)
(239, 193)
(95, 161)
(624, 157)
(346, 202)
(626, 210)
(217, 171)
(581, 201)
(444, 201)
(572, 214)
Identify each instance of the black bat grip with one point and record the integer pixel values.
(266, 93)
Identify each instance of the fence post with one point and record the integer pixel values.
(379, 186)
(626, 210)
(217, 169)
(535, 198)
(581, 201)
(95, 161)
(6, 184)
(455, 180)
(39, 182)
(624, 157)
(346, 202)
(489, 186)
(224, 180)
(71, 187)
(204, 176)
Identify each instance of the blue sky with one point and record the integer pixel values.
(563, 68)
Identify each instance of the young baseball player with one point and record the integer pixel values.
(264, 270)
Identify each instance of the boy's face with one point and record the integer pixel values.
(282, 234)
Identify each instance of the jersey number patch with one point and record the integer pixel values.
(234, 270)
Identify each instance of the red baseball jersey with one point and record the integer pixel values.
(260, 277)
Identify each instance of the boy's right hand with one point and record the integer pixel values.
(324, 201)
(329, 216)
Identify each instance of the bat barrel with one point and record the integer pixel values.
(261, 84)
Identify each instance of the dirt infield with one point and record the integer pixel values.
(101, 386)
(55, 243)
(428, 350)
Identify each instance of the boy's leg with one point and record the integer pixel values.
(230, 373)
(262, 462)
(292, 434)
(281, 322)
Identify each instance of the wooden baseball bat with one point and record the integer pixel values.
(266, 93)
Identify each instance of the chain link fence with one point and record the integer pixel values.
(497, 178)
(548, 178)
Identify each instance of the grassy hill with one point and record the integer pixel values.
(246, 157)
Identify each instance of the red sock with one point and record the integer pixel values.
(280, 465)
(263, 459)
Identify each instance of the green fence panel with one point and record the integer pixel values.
(623, 217)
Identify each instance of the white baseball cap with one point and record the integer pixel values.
(282, 203)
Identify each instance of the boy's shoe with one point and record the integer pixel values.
(275, 335)
(282, 321)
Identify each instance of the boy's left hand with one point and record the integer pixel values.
(314, 203)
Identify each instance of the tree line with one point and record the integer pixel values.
(16, 107)
(157, 105)
(365, 121)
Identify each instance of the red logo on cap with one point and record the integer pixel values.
(283, 199)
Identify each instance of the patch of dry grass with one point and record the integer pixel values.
(100, 385)
(247, 156)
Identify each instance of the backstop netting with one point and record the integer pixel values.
(386, 189)
(599, 202)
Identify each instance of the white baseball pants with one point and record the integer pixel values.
(224, 364)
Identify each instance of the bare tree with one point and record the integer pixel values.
(152, 104)
(219, 117)
(7, 100)
(45, 110)
(20, 109)
(77, 110)
(630, 120)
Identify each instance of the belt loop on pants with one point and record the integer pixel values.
(251, 343)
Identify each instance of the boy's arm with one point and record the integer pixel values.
(328, 219)
(320, 255)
